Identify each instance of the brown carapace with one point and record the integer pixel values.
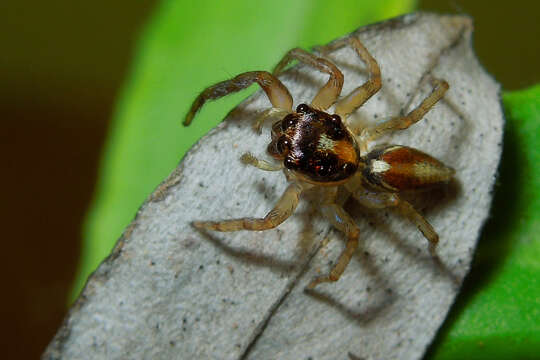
(315, 145)
(318, 149)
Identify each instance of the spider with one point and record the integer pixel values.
(317, 149)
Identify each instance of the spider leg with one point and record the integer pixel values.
(267, 114)
(343, 222)
(250, 159)
(281, 211)
(329, 93)
(421, 223)
(403, 122)
(277, 93)
(361, 94)
(381, 200)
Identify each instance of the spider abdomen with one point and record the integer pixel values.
(398, 168)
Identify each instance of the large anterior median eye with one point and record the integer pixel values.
(302, 108)
(336, 119)
(289, 121)
(283, 145)
(334, 127)
(290, 163)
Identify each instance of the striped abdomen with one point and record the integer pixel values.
(397, 168)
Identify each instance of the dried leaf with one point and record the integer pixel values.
(168, 291)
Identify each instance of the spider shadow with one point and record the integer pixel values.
(465, 130)
(379, 291)
(433, 201)
(380, 294)
(380, 300)
(256, 258)
(362, 317)
(248, 256)
(307, 247)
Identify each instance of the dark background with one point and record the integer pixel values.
(61, 66)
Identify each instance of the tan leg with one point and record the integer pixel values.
(331, 90)
(421, 223)
(283, 209)
(249, 159)
(271, 113)
(343, 222)
(383, 200)
(277, 93)
(403, 122)
(361, 94)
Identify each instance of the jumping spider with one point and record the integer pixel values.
(318, 149)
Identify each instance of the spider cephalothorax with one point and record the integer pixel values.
(315, 145)
(319, 150)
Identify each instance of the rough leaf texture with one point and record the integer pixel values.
(168, 291)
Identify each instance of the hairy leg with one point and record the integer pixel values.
(329, 93)
(277, 93)
(381, 200)
(281, 211)
(403, 122)
(343, 222)
(271, 113)
(361, 94)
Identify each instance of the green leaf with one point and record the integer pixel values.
(183, 49)
(498, 315)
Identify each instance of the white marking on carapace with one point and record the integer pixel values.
(379, 166)
(325, 143)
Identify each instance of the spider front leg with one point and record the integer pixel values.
(343, 222)
(277, 93)
(361, 94)
(329, 93)
(403, 122)
(281, 211)
(381, 200)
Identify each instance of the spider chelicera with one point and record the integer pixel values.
(318, 149)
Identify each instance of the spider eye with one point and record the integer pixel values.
(289, 121)
(283, 144)
(334, 127)
(348, 168)
(302, 108)
(290, 163)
